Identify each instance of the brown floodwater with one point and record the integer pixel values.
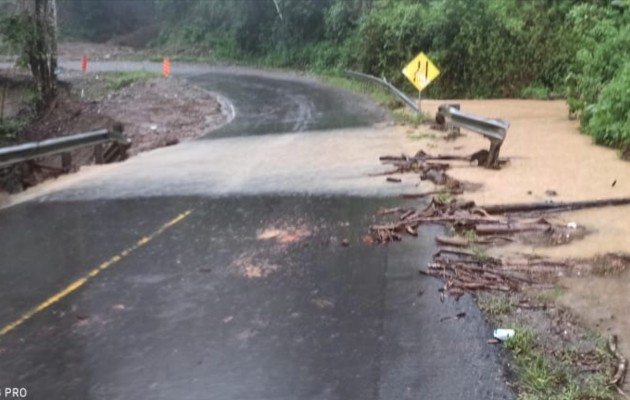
(547, 152)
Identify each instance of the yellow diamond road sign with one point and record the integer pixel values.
(421, 71)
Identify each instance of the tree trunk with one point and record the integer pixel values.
(41, 47)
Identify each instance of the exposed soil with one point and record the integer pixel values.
(154, 112)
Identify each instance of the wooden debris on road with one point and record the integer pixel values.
(423, 195)
(487, 228)
(559, 206)
(430, 168)
(465, 271)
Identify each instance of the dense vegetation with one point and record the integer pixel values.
(576, 49)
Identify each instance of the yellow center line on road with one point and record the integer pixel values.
(85, 279)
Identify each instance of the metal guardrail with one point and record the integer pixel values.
(494, 130)
(403, 97)
(29, 151)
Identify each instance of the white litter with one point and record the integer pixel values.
(503, 334)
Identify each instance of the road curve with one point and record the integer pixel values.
(214, 270)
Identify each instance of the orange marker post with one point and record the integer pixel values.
(166, 67)
(84, 63)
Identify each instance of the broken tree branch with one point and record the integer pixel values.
(561, 206)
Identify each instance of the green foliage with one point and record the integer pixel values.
(101, 20)
(378, 94)
(549, 295)
(392, 34)
(405, 116)
(14, 33)
(495, 305)
(523, 343)
(603, 44)
(535, 92)
(608, 120)
(11, 128)
(598, 82)
(542, 377)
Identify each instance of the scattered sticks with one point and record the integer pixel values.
(622, 364)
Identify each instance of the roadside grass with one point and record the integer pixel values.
(381, 96)
(549, 295)
(401, 115)
(543, 376)
(119, 80)
(495, 306)
(404, 116)
(544, 368)
(421, 136)
(480, 254)
(444, 197)
(470, 235)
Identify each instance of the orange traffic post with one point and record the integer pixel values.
(166, 67)
(84, 63)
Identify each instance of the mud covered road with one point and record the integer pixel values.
(215, 269)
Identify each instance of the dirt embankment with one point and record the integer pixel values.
(154, 111)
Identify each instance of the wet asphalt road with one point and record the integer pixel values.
(297, 105)
(218, 305)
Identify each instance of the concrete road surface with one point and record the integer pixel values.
(215, 269)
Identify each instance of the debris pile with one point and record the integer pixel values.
(425, 165)
(466, 216)
(471, 271)
(462, 263)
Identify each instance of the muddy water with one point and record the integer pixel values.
(548, 153)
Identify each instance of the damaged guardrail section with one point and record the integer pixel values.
(494, 130)
(64, 145)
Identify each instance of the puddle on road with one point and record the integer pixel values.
(547, 152)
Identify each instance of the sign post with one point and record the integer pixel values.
(421, 72)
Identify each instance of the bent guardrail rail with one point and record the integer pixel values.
(395, 91)
(63, 145)
(494, 130)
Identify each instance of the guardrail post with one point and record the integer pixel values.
(455, 129)
(494, 130)
(98, 154)
(493, 154)
(66, 161)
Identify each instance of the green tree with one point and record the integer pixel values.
(35, 27)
